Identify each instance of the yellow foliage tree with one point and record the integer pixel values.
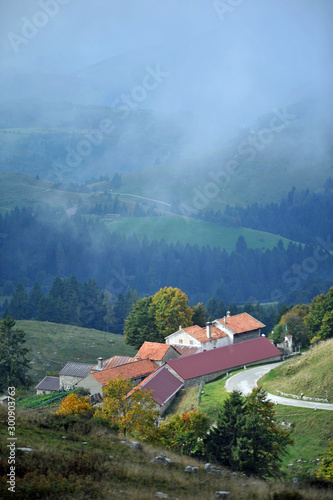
(75, 405)
(326, 469)
(130, 409)
(171, 309)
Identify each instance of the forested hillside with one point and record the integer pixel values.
(48, 244)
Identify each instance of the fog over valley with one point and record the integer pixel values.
(128, 112)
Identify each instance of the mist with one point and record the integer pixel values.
(220, 64)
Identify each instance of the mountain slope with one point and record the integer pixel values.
(310, 374)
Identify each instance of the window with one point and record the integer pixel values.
(180, 341)
(191, 342)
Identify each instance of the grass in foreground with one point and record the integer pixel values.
(75, 458)
(311, 429)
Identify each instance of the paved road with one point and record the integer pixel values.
(145, 198)
(246, 380)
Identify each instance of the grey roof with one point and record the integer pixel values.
(114, 361)
(76, 369)
(185, 350)
(49, 384)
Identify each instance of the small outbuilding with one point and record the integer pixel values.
(48, 385)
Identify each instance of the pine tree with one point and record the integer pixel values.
(13, 362)
(19, 303)
(35, 296)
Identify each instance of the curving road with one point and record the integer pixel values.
(246, 380)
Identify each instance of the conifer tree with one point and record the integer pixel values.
(13, 362)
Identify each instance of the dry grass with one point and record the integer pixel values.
(310, 374)
(95, 463)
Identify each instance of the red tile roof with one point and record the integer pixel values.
(153, 350)
(133, 370)
(240, 323)
(224, 358)
(200, 334)
(114, 361)
(163, 384)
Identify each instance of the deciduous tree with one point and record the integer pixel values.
(127, 408)
(155, 317)
(74, 404)
(326, 468)
(184, 433)
(171, 309)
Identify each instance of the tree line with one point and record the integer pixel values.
(307, 323)
(87, 305)
(301, 216)
(41, 246)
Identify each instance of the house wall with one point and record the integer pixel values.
(224, 328)
(90, 383)
(67, 382)
(182, 338)
(166, 405)
(41, 392)
(170, 354)
(214, 343)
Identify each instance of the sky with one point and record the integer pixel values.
(227, 61)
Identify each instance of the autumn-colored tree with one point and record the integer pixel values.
(73, 404)
(293, 323)
(171, 309)
(155, 317)
(326, 468)
(129, 409)
(319, 319)
(183, 433)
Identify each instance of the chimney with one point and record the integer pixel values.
(224, 319)
(228, 314)
(100, 364)
(209, 329)
(180, 327)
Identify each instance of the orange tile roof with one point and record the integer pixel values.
(200, 334)
(241, 323)
(129, 371)
(152, 350)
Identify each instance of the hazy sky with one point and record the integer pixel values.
(82, 32)
(232, 57)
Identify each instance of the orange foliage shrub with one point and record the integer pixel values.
(75, 405)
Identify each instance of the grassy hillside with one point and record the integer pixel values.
(74, 458)
(263, 174)
(193, 232)
(52, 345)
(25, 191)
(311, 429)
(310, 374)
